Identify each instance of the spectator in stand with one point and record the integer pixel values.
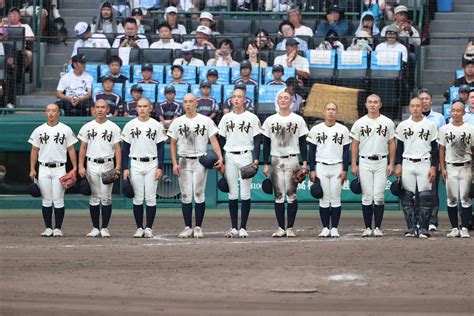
(166, 39)
(468, 78)
(362, 41)
(331, 41)
(277, 71)
(203, 38)
(107, 94)
(131, 108)
(147, 73)
(187, 58)
(14, 20)
(405, 27)
(186, 5)
(75, 88)
(207, 19)
(367, 22)
(137, 14)
(245, 72)
(294, 16)
(171, 16)
(427, 102)
(115, 63)
(292, 59)
(463, 93)
(469, 116)
(288, 31)
(170, 109)
(28, 10)
(121, 8)
(252, 55)
(263, 40)
(7, 50)
(334, 21)
(224, 55)
(212, 76)
(146, 6)
(207, 105)
(281, 5)
(106, 22)
(87, 39)
(177, 74)
(227, 106)
(243, 5)
(297, 101)
(131, 38)
(392, 44)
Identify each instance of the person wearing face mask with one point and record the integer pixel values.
(392, 43)
(362, 41)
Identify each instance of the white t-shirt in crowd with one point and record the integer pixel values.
(75, 85)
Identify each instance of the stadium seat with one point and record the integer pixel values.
(134, 55)
(158, 73)
(239, 55)
(181, 90)
(269, 25)
(256, 74)
(216, 91)
(459, 73)
(266, 98)
(157, 56)
(3, 66)
(453, 93)
(124, 70)
(118, 89)
(149, 91)
(322, 64)
(352, 69)
(17, 35)
(277, 53)
(310, 23)
(201, 54)
(238, 40)
(189, 74)
(237, 26)
(94, 54)
(268, 75)
(224, 74)
(385, 64)
(149, 25)
(229, 89)
(91, 69)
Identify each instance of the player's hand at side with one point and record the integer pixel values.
(158, 174)
(398, 171)
(266, 170)
(312, 176)
(176, 170)
(32, 175)
(444, 174)
(219, 165)
(342, 176)
(432, 174)
(355, 169)
(117, 172)
(82, 171)
(255, 162)
(389, 170)
(126, 174)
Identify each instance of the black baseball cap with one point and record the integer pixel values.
(170, 89)
(240, 86)
(291, 81)
(278, 68)
(147, 67)
(137, 11)
(291, 41)
(177, 66)
(205, 83)
(136, 87)
(212, 72)
(79, 58)
(246, 64)
(105, 78)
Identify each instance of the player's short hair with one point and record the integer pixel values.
(100, 101)
(164, 24)
(283, 23)
(470, 91)
(333, 103)
(424, 90)
(113, 59)
(130, 20)
(57, 105)
(415, 99)
(374, 96)
(459, 102)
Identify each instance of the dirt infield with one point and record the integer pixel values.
(75, 275)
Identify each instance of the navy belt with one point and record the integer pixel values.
(284, 157)
(328, 164)
(239, 152)
(374, 157)
(145, 159)
(52, 164)
(459, 164)
(99, 160)
(190, 157)
(416, 160)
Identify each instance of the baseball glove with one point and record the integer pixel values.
(109, 176)
(68, 180)
(248, 171)
(300, 175)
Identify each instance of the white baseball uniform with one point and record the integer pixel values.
(329, 141)
(192, 135)
(52, 142)
(417, 138)
(284, 133)
(239, 131)
(373, 136)
(101, 139)
(458, 141)
(143, 138)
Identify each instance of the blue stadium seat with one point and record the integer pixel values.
(447, 111)
(97, 87)
(216, 91)
(322, 65)
(255, 74)
(352, 64)
(124, 70)
(158, 73)
(181, 90)
(149, 91)
(266, 98)
(224, 73)
(229, 89)
(385, 64)
(189, 74)
(453, 93)
(91, 69)
(459, 73)
(268, 75)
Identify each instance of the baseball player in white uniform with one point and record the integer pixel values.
(49, 144)
(285, 138)
(373, 142)
(328, 159)
(190, 134)
(144, 143)
(456, 142)
(239, 133)
(417, 161)
(100, 143)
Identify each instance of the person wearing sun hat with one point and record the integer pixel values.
(405, 26)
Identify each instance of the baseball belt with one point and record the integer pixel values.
(52, 164)
(99, 160)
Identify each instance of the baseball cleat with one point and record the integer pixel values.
(423, 235)
(104, 232)
(243, 233)
(186, 233)
(48, 232)
(198, 232)
(325, 233)
(367, 232)
(454, 233)
(465, 233)
(232, 233)
(290, 233)
(279, 233)
(148, 233)
(378, 232)
(335, 232)
(139, 233)
(57, 232)
(94, 233)
(432, 228)
(408, 234)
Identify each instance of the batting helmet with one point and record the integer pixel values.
(396, 187)
(267, 186)
(127, 189)
(34, 190)
(84, 187)
(355, 186)
(208, 160)
(316, 189)
(223, 185)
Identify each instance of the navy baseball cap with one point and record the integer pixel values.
(240, 86)
(278, 68)
(355, 186)
(34, 190)
(136, 87)
(127, 189)
(316, 190)
(291, 81)
(205, 83)
(291, 41)
(84, 187)
(464, 88)
(246, 64)
(105, 78)
(147, 67)
(213, 72)
(137, 11)
(223, 185)
(170, 89)
(177, 66)
(267, 186)
(79, 58)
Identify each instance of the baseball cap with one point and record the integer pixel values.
(187, 47)
(81, 28)
(170, 89)
(105, 78)
(136, 87)
(212, 72)
(205, 83)
(291, 81)
(79, 58)
(464, 88)
(3, 31)
(14, 9)
(240, 86)
(137, 11)
(278, 68)
(334, 8)
(171, 9)
(392, 28)
(291, 41)
(245, 64)
(204, 30)
(148, 67)
(206, 15)
(177, 66)
(400, 8)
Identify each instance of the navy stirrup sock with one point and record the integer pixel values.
(138, 214)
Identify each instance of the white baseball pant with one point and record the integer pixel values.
(233, 163)
(143, 181)
(282, 178)
(330, 183)
(52, 191)
(99, 192)
(458, 182)
(373, 179)
(415, 175)
(192, 180)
